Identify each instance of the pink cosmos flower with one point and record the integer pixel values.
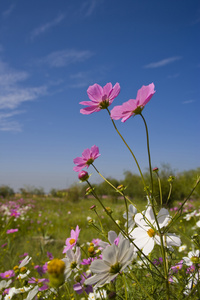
(41, 282)
(7, 274)
(72, 240)
(133, 106)
(88, 157)
(11, 231)
(101, 97)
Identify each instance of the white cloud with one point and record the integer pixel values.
(188, 101)
(173, 76)
(88, 7)
(6, 122)
(45, 27)
(163, 62)
(8, 12)
(65, 57)
(13, 94)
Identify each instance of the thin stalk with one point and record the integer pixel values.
(170, 191)
(126, 205)
(117, 190)
(125, 286)
(160, 189)
(175, 217)
(148, 149)
(142, 177)
(122, 231)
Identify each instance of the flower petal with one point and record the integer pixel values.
(95, 92)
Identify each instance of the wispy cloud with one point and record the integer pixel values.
(13, 94)
(65, 57)
(173, 76)
(45, 27)
(7, 13)
(163, 62)
(188, 101)
(7, 123)
(88, 7)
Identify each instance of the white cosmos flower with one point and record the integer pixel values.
(72, 261)
(192, 258)
(146, 234)
(4, 284)
(192, 283)
(25, 261)
(13, 291)
(132, 211)
(190, 215)
(115, 258)
(182, 248)
(97, 295)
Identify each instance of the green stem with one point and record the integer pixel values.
(170, 191)
(175, 217)
(117, 190)
(148, 149)
(129, 150)
(122, 231)
(126, 205)
(125, 286)
(160, 190)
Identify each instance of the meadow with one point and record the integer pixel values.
(44, 224)
(136, 240)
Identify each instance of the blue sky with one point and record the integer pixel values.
(52, 51)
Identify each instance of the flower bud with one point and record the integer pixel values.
(171, 178)
(56, 268)
(83, 175)
(88, 190)
(155, 170)
(121, 187)
(93, 207)
(109, 210)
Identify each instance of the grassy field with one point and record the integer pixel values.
(45, 223)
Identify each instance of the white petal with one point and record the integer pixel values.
(132, 209)
(173, 240)
(99, 266)
(112, 236)
(109, 254)
(148, 247)
(163, 217)
(141, 242)
(138, 233)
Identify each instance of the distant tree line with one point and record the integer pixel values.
(182, 183)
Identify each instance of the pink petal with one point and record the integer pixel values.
(95, 151)
(115, 92)
(89, 110)
(90, 103)
(95, 92)
(78, 160)
(116, 112)
(145, 94)
(107, 89)
(86, 154)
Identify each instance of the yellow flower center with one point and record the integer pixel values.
(72, 241)
(91, 249)
(151, 232)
